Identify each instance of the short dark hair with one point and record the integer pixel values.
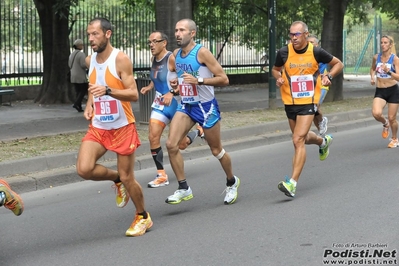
(105, 23)
(163, 35)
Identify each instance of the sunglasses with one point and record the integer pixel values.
(296, 34)
(154, 42)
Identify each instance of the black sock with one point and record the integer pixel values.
(230, 182)
(118, 180)
(183, 184)
(144, 214)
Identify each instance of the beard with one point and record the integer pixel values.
(101, 47)
(182, 43)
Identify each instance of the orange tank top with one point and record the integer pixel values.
(301, 76)
(109, 113)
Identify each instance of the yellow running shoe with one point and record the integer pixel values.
(287, 187)
(324, 151)
(179, 195)
(122, 197)
(139, 225)
(13, 201)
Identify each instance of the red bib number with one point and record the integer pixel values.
(106, 109)
(302, 86)
(188, 92)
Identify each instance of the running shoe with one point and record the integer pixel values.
(287, 187)
(232, 192)
(122, 197)
(393, 144)
(2, 198)
(179, 195)
(200, 132)
(324, 151)
(12, 200)
(385, 130)
(139, 225)
(323, 126)
(159, 181)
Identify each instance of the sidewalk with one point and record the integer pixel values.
(25, 120)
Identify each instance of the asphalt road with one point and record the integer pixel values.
(349, 199)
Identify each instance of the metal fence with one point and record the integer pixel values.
(20, 39)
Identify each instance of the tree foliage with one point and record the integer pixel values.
(389, 7)
(253, 16)
(239, 17)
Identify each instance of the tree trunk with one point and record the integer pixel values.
(55, 87)
(167, 13)
(331, 41)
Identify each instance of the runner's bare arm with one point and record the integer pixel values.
(124, 67)
(173, 82)
(172, 69)
(395, 75)
(276, 72)
(372, 70)
(219, 76)
(172, 63)
(336, 67)
(88, 112)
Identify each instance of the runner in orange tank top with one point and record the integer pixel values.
(112, 124)
(297, 73)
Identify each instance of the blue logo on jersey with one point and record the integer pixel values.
(302, 94)
(106, 118)
(188, 99)
(184, 67)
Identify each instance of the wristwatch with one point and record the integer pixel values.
(108, 90)
(173, 92)
(200, 81)
(389, 72)
(330, 77)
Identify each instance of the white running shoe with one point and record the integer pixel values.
(232, 192)
(323, 126)
(179, 195)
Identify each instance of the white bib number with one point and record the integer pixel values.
(158, 102)
(106, 109)
(188, 92)
(302, 86)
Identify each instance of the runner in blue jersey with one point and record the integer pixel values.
(320, 121)
(198, 72)
(164, 104)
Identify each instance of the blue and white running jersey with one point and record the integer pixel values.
(190, 93)
(378, 69)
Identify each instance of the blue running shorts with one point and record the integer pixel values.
(165, 115)
(205, 114)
